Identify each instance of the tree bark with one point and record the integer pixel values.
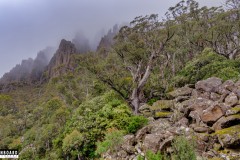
(136, 93)
(135, 100)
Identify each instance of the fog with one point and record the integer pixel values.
(28, 26)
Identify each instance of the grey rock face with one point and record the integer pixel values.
(61, 61)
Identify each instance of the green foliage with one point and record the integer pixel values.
(183, 149)
(134, 123)
(94, 117)
(16, 144)
(150, 155)
(112, 141)
(206, 65)
(72, 142)
(139, 157)
(151, 101)
(53, 104)
(7, 105)
(28, 153)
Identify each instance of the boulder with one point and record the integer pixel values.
(234, 110)
(226, 122)
(212, 114)
(166, 143)
(195, 117)
(160, 125)
(229, 85)
(183, 106)
(144, 107)
(208, 85)
(129, 139)
(237, 84)
(224, 107)
(200, 94)
(152, 142)
(229, 137)
(181, 98)
(200, 104)
(162, 105)
(222, 90)
(214, 96)
(237, 91)
(200, 129)
(184, 91)
(163, 114)
(142, 132)
(231, 99)
(182, 122)
(122, 154)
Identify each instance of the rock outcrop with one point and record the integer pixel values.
(30, 70)
(61, 61)
(208, 112)
(107, 40)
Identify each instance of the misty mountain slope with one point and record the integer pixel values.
(32, 71)
(29, 70)
(107, 40)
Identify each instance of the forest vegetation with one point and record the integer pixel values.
(92, 99)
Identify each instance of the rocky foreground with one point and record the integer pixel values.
(207, 112)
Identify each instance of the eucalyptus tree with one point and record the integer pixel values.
(138, 46)
(136, 51)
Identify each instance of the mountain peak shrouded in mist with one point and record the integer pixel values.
(30, 70)
(107, 40)
(61, 59)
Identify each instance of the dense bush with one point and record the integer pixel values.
(153, 156)
(94, 117)
(183, 149)
(112, 141)
(206, 65)
(134, 123)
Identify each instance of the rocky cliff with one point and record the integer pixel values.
(107, 40)
(61, 61)
(207, 113)
(29, 71)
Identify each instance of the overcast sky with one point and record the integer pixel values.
(27, 26)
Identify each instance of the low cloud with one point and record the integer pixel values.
(27, 26)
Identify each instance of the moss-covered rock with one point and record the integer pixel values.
(163, 114)
(234, 110)
(229, 137)
(184, 91)
(225, 122)
(216, 158)
(162, 105)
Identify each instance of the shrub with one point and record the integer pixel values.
(134, 123)
(72, 142)
(150, 155)
(54, 103)
(112, 141)
(183, 149)
(206, 65)
(151, 101)
(94, 117)
(139, 157)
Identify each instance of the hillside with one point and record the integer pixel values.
(155, 89)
